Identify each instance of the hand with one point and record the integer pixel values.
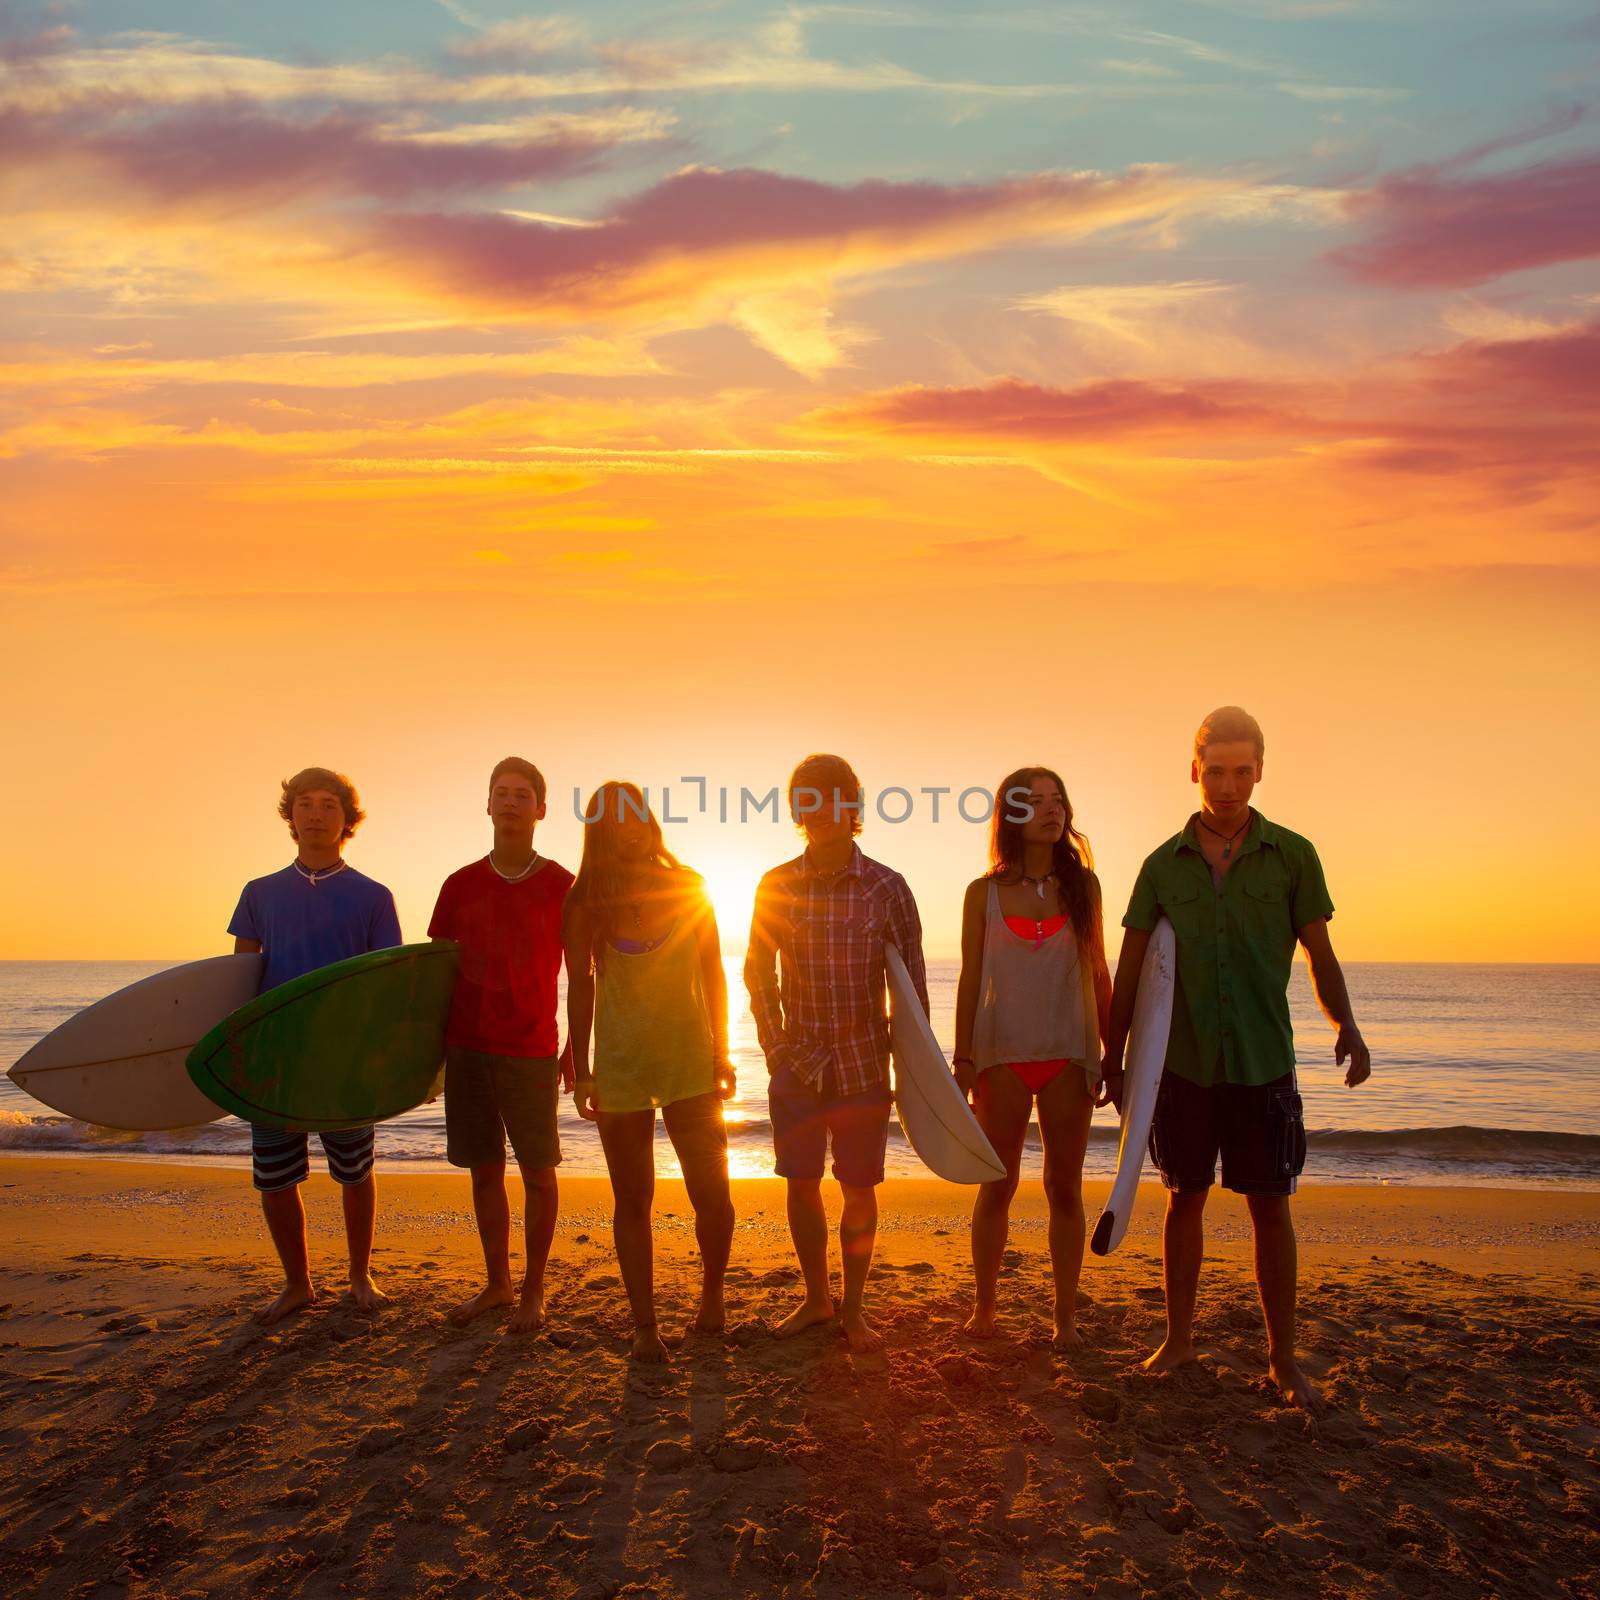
(569, 1073)
(1111, 1077)
(727, 1079)
(1351, 1044)
(583, 1100)
(966, 1075)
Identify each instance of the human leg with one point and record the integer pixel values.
(1277, 1272)
(859, 1127)
(349, 1153)
(800, 1144)
(1184, 1141)
(628, 1139)
(475, 1138)
(1065, 1111)
(699, 1136)
(528, 1095)
(492, 1211)
(1002, 1104)
(858, 1233)
(280, 1164)
(1182, 1247)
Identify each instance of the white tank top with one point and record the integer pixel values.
(1030, 998)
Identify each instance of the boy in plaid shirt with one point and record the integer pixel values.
(816, 981)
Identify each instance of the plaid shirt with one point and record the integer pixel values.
(828, 931)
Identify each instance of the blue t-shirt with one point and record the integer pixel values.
(303, 925)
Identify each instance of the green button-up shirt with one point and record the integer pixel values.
(1230, 1019)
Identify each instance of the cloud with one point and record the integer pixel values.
(1029, 412)
(1508, 417)
(1443, 227)
(242, 157)
(705, 238)
(1135, 312)
(164, 68)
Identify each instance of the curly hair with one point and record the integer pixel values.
(321, 778)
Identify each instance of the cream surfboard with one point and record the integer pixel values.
(120, 1062)
(934, 1113)
(1145, 1058)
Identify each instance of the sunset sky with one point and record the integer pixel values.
(660, 392)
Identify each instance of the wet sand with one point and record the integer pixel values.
(158, 1443)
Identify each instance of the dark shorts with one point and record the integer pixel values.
(488, 1099)
(280, 1159)
(1258, 1129)
(804, 1117)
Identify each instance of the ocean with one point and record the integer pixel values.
(1481, 1073)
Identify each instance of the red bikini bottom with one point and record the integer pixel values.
(1036, 1074)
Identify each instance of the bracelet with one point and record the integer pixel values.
(962, 1061)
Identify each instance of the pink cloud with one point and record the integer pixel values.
(704, 231)
(1114, 409)
(228, 151)
(1511, 416)
(1432, 229)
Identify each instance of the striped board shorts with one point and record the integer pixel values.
(280, 1159)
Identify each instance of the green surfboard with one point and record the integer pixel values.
(348, 1044)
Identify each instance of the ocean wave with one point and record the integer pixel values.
(1463, 1149)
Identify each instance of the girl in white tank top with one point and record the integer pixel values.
(1030, 1013)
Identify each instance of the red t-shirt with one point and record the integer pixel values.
(510, 938)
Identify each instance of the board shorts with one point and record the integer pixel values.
(1257, 1128)
(805, 1116)
(488, 1099)
(281, 1158)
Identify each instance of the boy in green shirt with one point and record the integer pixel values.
(1240, 893)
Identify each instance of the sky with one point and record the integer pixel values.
(665, 393)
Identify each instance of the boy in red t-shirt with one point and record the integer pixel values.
(502, 1076)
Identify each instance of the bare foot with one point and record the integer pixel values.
(981, 1324)
(1066, 1336)
(861, 1336)
(647, 1346)
(712, 1316)
(1297, 1388)
(529, 1314)
(497, 1294)
(1171, 1356)
(807, 1315)
(295, 1296)
(366, 1294)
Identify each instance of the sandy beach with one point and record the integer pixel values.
(158, 1443)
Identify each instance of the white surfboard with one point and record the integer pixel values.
(934, 1113)
(1146, 1056)
(120, 1062)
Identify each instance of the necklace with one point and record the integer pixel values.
(315, 876)
(1038, 883)
(513, 877)
(1227, 849)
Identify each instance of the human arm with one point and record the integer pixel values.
(246, 947)
(761, 977)
(973, 913)
(1327, 978)
(578, 951)
(1135, 941)
(714, 986)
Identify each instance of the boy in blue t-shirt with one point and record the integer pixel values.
(318, 910)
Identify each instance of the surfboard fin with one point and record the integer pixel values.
(1101, 1243)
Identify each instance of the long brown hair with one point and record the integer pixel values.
(1072, 860)
(598, 888)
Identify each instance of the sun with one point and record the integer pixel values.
(731, 885)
